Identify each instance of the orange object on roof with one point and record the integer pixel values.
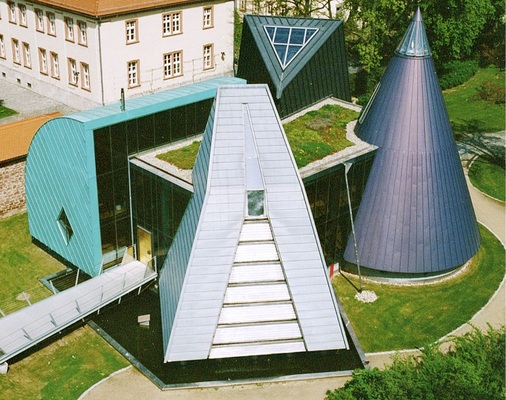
(15, 137)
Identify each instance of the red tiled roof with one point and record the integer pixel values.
(15, 137)
(102, 8)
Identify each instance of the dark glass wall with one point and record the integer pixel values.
(158, 207)
(327, 195)
(115, 143)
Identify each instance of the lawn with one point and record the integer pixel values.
(407, 317)
(62, 370)
(22, 264)
(311, 136)
(70, 365)
(468, 112)
(6, 112)
(488, 178)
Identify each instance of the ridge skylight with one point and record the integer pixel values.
(288, 41)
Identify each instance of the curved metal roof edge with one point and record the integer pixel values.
(152, 103)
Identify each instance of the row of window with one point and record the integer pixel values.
(49, 63)
(172, 24)
(47, 23)
(172, 65)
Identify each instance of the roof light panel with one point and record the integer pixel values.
(287, 42)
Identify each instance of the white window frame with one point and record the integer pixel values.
(172, 23)
(208, 56)
(16, 53)
(51, 23)
(39, 20)
(3, 52)
(85, 76)
(55, 65)
(173, 64)
(23, 19)
(73, 72)
(131, 31)
(208, 17)
(83, 35)
(27, 55)
(69, 29)
(133, 69)
(12, 12)
(43, 65)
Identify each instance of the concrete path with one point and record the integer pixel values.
(28, 103)
(131, 384)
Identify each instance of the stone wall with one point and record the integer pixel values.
(12, 188)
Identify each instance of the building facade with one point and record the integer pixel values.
(86, 53)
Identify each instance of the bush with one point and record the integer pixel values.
(473, 369)
(491, 92)
(456, 73)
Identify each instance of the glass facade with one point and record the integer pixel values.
(328, 198)
(158, 207)
(114, 144)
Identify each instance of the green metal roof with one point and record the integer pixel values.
(150, 104)
(292, 42)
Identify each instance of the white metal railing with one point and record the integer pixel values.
(75, 309)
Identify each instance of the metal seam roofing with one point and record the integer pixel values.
(223, 201)
(416, 214)
(283, 76)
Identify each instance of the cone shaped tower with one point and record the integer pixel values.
(416, 215)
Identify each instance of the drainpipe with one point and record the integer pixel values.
(100, 59)
(347, 166)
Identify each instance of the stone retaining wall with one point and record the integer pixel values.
(12, 188)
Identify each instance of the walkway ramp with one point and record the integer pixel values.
(30, 325)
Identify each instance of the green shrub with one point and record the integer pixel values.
(456, 73)
(491, 92)
(473, 369)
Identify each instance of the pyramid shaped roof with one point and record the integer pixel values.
(416, 214)
(245, 274)
(288, 43)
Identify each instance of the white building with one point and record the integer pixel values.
(84, 52)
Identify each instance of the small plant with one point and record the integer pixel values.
(456, 73)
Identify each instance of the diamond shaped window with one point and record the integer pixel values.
(65, 227)
(287, 42)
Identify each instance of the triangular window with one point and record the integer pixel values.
(65, 227)
(287, 42)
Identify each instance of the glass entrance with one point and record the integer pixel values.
(144, 245)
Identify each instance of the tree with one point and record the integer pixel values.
(375, 28)
(472, 369)
(454, 26)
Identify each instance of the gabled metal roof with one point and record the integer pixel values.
(289, 45)
(242, 279)
(416, 214)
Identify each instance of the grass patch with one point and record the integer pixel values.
(183, 158)
(6, 112)
(22, 262)
(62, 370)
(319, 133)
(488, 178)
(469, 112)
(411, 317)
(68, 366)
(311, 136)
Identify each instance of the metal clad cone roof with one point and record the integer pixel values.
(416, 214)
(415, 43)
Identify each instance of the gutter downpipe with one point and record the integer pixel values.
(100, 58)
(347, 166)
